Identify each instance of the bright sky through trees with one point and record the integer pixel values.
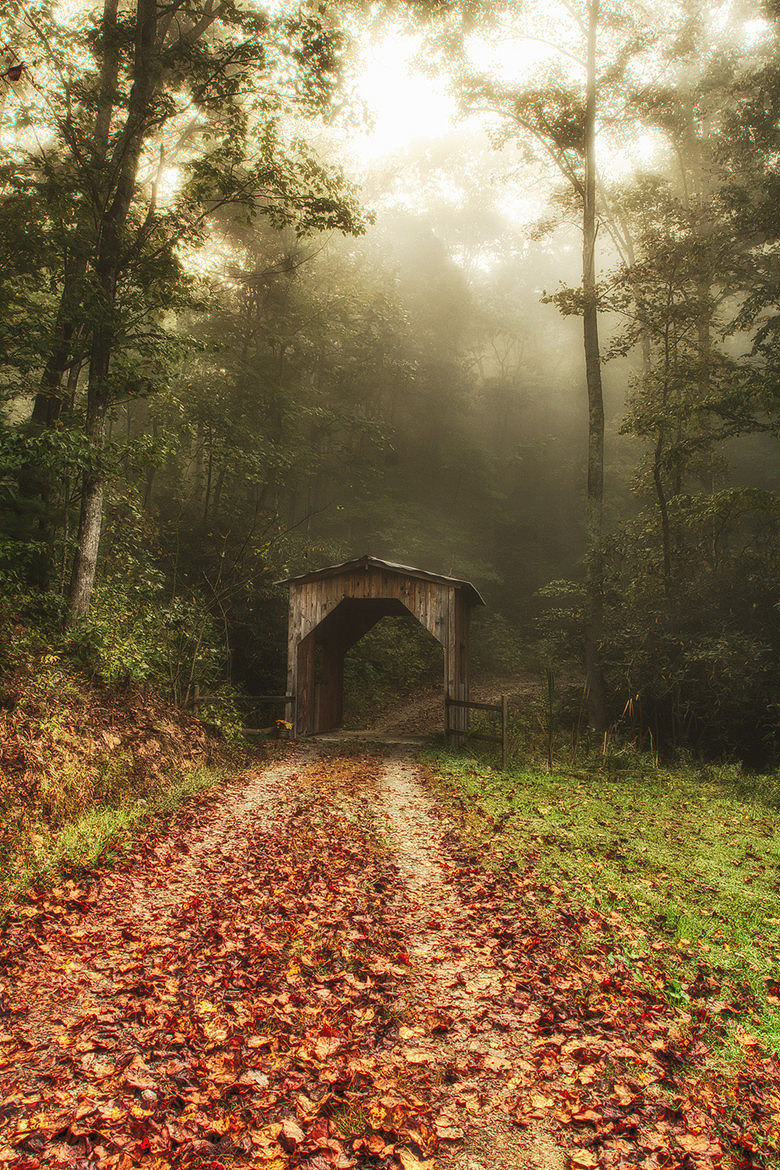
(406, 103)
(402, 103)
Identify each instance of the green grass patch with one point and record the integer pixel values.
(96, 837)
(690, 857)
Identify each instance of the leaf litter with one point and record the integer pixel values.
(307, 970)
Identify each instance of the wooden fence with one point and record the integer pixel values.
(251, 703)
(501, 708)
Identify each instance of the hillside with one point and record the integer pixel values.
(83, 766)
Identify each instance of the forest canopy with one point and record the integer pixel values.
(535, 344)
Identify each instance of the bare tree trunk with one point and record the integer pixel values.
(594, 594)
(90, 523)
(124, 161)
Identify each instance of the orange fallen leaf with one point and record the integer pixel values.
(582, 1158)
(410, 1161)
(496, 1063)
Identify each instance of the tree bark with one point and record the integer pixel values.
(52, 398)
(663, 510)
(49, 401)
(594, 583)
(124, 163)
(90, 521)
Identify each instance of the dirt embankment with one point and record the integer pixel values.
(69, 746)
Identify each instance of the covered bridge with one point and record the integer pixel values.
(332, 608)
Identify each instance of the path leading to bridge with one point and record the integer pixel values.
(306, 970)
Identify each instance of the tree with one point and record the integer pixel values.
(558, 110)
(195, 88)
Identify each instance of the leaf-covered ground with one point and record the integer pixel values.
(308, 970)
(84, 768)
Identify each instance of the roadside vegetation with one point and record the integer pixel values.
(684, 860)
(87, 766)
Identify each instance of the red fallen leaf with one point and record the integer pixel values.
(584, 1115)
(137, 1080)
(372, 1143)
(291, 1135)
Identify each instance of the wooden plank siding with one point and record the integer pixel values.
(331, 609)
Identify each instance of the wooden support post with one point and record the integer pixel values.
(504, 727)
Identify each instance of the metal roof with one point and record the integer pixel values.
(366, 562)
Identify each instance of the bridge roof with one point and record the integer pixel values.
(471, 594)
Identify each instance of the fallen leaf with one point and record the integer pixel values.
(410, 1161)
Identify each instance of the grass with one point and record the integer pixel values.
(690, 857)
(94, 837)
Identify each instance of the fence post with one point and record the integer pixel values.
(504, 724)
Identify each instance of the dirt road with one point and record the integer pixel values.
(305, 971)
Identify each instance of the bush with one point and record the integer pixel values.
(132, 635)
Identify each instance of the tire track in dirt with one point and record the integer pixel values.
(470, 1035)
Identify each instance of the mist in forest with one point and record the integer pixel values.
(490, 292)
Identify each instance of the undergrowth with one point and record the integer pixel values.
(40, 852)
(96, 837)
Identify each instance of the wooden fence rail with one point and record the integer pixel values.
(501, 708)
(251, 701)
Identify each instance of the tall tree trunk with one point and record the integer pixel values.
(594, 594)
(124, 165)
(663, 510)
(54, 390)
(49, 401)
(90, 519)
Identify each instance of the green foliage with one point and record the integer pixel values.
(497, 646)
(133, 635)
(696, 664)
(226, 712)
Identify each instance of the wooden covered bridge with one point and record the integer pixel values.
(332, 608)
